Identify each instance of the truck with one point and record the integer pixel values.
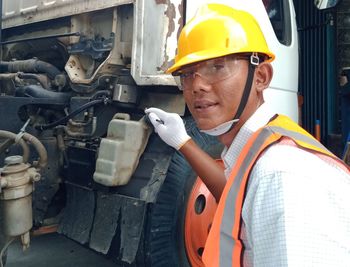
(77, 153)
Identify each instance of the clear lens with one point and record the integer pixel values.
(212, 71)
(178, 82)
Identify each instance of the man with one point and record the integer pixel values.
(283, 199)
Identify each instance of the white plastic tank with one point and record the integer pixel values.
(120, 151)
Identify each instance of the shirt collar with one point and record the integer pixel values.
(259, 119)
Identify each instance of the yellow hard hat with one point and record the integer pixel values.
(218, 30)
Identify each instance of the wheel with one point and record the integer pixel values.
(200, 210)
(179, 221)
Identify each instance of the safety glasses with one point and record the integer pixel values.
(211, 71)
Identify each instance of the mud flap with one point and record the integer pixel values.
(87, 222)
(78, 215)
(126, 214)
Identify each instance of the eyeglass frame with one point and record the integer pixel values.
(253, 58)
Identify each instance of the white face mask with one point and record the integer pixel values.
(221, 129)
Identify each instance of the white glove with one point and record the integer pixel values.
(169, 127)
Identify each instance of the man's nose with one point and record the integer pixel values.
(199, 83)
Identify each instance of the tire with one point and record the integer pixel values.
(165, 243)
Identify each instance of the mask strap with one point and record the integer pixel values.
(254, 61)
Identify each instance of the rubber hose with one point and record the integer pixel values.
(70, 115)
(100, 93)
(39, 147)
(37, 91)
(29, 65)
(22, 143)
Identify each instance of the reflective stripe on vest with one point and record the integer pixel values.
(223, 246)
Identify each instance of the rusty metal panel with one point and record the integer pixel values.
(156, 27)
(19, 12)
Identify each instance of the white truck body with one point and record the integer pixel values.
(154, 38)
(77, 75)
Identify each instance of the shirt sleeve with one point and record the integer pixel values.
(294, 216)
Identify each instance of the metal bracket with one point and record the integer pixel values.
(94, 48)
(254, 59)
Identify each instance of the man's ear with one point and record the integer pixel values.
(263, 76)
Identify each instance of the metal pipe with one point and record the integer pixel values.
(7, 76)
(42, 79)
(41, 38)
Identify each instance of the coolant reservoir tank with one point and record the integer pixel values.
(120, 151)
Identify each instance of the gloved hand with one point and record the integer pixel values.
(169, 127)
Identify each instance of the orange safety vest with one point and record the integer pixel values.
(223, 246)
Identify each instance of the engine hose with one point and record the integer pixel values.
(37, 91)
(29, 65)
(39, 147)
(100, 93)
(71, 115)
(22, 143)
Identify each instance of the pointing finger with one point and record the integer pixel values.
(160, 113)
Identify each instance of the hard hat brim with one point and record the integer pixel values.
(205, 55)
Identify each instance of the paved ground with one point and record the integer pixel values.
(53, 250)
